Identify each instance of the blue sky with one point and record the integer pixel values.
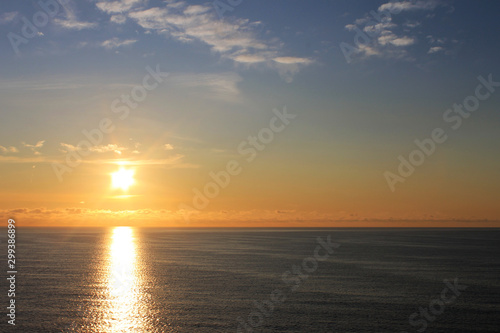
(226, 74)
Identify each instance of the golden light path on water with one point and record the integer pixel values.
(124, 285)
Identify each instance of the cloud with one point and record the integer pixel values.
(39, 144)
(153, 18)
(104, 149)
(120, 6)
(8, 17)
(400, 6)
(136, 147)
(196, 10)
(249, 58)
(219, 86)
(95, 149)
(350, 27)
(391, 38)
(385, 38)
(288, 67)
(412, 25)
(173, 162)
(236, 40)
(41, 85)
(114, 43)
(377, 28)
(118, 19)
(445, 46)
(403, 41)
(292, 60)
(434, 40)
(168, 146)
(435, 49)
(49, 83)
(70, 21)
(74, 25)
(68, 148)
(369, 51)
(204, 27)
(80, 215)
(28, 160)
(10, 149)
(34, 148)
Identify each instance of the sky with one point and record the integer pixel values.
(238, 113)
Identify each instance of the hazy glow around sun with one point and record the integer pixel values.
(122, 178)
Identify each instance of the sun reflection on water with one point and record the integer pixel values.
(123, 284)
(122, 253)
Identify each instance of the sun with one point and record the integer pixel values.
(122, 178)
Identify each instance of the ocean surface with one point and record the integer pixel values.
(255, 280)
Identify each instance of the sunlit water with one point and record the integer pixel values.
(161, 280)
(124, 285)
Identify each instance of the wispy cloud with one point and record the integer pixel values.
(388, 37)
(378, 35)
(399, 6)
(71, 21)
(120, 6)
(412, 24)
(236, 40)
(119, 19)
(65, 148)
(287, 67)
(72, 24)
(114, 43)
(34, 148)
(292, 60)
(175, 161)
(218, 85)
(79, 215)
(186, 25)
(82, 216)
(10, 149)
(8, 17)
(55, 83)
(435, 49)
(249, 58)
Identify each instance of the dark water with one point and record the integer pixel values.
(163, 280)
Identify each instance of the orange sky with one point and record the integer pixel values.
(261, 120)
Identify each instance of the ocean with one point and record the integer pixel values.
(254, 280)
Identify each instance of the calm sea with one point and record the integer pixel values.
(255, 280)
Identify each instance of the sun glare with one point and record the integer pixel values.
(123, 312)
(122, 178)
